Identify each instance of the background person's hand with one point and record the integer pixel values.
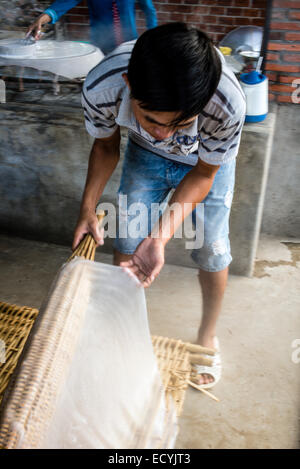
(88, 223)
(36, 28)
(147, 261)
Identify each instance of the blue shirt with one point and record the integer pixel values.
(101, 19)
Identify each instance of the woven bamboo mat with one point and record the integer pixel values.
(15, 325)
(174, 357)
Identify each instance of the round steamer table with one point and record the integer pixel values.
(70, 59)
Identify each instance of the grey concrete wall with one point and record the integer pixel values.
(44, 156)
(251, 179)
(281, 216)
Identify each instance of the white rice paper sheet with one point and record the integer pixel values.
(112, 396)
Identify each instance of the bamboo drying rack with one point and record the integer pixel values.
(174, 357)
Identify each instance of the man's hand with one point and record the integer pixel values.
(88, 223)
(147, 261)
(36, 28)
(103, 159)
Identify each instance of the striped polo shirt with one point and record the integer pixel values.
(214, 136)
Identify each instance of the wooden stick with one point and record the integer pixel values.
(87, 245)
(203, 390)
(100, 214)
(81, 247)
(90, 244)
(194, 348)
(200, 360)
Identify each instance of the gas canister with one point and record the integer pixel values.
(255, 86)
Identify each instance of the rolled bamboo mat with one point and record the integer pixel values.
(87, 246)
(33, 390)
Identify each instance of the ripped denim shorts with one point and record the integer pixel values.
(148, 178)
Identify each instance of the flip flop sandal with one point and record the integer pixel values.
(213, 370)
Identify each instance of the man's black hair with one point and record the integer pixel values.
(174, 67)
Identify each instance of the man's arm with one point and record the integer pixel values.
(193, 188)
(148, 259)
(103, 159)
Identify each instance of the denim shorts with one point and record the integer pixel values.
(148, 179)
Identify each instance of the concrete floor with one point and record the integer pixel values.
(259, 391)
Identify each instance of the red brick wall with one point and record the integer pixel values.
(77, 22)
(283, 59)
(216, 17)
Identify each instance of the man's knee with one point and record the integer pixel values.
(120, 257)
(214, 256)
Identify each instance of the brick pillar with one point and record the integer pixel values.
(283, 58)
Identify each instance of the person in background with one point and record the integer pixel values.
(112, 21)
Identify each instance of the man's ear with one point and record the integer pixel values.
(125, 78)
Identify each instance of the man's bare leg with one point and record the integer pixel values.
(120, 257)
(213, 286)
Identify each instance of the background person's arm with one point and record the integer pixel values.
(150, 13)
(51, 15)
(103, 159)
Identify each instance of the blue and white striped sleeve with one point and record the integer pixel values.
(223, 145)
(99, 118)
